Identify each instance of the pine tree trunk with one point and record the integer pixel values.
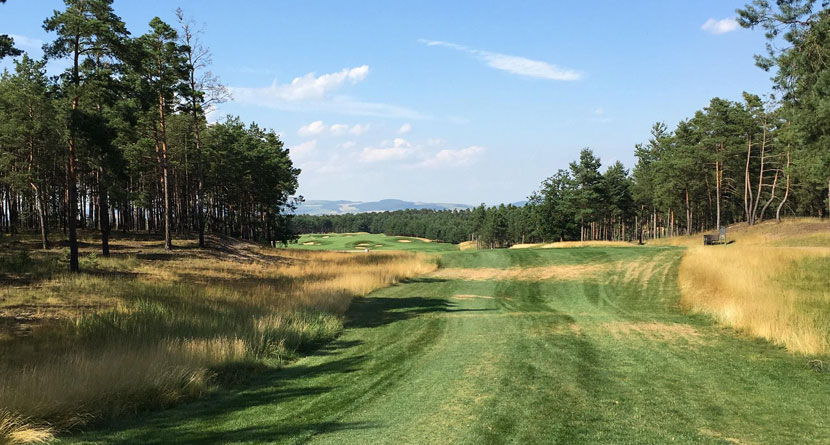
(168, 238)
(103, 214)
(717, 193)
(786, 191)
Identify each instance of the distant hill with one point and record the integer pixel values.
(323, 207)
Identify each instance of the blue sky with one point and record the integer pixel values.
(448, 101)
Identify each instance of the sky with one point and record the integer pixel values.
(461, 102)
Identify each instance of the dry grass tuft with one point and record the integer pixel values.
(17, 430)
(468, 245)
(567, 244)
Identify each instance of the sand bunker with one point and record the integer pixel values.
(404, 241)
(310, 243)
(562, 272)
(468, 296)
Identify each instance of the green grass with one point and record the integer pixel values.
(361, 241)
(604, 359)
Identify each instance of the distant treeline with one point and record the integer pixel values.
(120, 139)
(730, 162)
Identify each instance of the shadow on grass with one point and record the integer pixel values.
(378, 311)
(261, 392)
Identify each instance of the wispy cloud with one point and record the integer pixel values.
(453, 158)
(317, 93)
(518, 65)
(318, 127)
(304, 150)
(399, 150)
(405, 128)
(721, 26)
(26, 42)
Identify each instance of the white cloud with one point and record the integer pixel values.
(318, 127)
(311, 87)
(405, 128)
(399, 150)
(339, 129)
(312, 129)
(304, 149)
(599, 111)
(358, 129)
(720, 26)
(26, 42)
(454, 158)
(513, 64)
(317, 93)
(347, 145)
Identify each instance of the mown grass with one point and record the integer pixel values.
(359, 242)
(610, 357)
(146, 329)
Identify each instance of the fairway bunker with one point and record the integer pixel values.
(470, 296)
(311, 243)
(561, 272)
(404, 240)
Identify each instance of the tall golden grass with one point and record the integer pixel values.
(146, 330)
(771, 282)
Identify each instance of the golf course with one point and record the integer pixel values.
(569, 345)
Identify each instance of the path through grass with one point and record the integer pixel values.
(603, 357)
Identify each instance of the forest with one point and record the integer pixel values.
(120, 140)
(732, 161)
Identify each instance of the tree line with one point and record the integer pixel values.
(120, 139)
(732, 161)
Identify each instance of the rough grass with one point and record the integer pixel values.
(778, 293)
(569, 244)
(770, 281)
(146, 328)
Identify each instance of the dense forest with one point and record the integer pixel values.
(120, 140)
(743, 161)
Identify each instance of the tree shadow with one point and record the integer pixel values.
(373, 312)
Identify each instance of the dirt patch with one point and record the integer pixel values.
(469, 296)
(717, 435)
(562, 272)
(22, 320)
(652, 331)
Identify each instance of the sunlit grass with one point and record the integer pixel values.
(777, 293)
(146, 329)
